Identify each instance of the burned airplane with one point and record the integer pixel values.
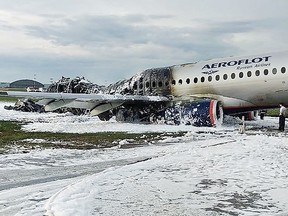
(194, 93)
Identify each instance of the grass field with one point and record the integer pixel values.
(11, 137)
(8, 99)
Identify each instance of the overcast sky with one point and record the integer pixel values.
(109, 40)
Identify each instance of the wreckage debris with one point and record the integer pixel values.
(133, 86)
(26, 105)
(77, 85)
(66, 85)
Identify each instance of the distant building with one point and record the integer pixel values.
(4, 84)
(25, 83)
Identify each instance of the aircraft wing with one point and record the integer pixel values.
(96, 103)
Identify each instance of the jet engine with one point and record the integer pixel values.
(198, 113)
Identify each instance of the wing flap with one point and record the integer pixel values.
(104, 107)
(56, 105)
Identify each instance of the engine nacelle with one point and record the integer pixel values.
(198, 113)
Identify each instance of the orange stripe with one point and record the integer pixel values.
(211, 112)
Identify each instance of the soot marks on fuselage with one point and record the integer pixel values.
(155, 81)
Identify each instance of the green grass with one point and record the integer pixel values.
(272, 112)
(11, 137)
(12, 89)
(8, 99)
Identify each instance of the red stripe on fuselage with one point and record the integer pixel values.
(211, 112)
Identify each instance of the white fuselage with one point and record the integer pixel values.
(238, 82)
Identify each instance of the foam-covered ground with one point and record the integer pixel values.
(209, 171)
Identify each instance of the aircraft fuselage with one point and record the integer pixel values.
(240, 83)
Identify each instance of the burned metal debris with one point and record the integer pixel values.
(26, 105)
(66, 85)
(77, 85)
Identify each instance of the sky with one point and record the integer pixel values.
(109, 40)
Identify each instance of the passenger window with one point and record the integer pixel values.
(217, 77)
(225, 76)
(202, 79)
(283, 70)
(180, 81)
(173, 82)
(147, 84)
(266, 72)
(135, 86)
(160, 84)
(209, 78)
(166, 83)
(241, 75)
(153, 84)
(233, 75)
(274, 71)
(195, 80)
(188, 81)
(141, 85)
(249, 73)
(257, 72)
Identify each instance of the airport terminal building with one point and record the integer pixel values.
(25, 83)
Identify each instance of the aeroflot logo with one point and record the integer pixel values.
(241, 64)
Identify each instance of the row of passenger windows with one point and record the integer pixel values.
(160, 84)
(232, 75)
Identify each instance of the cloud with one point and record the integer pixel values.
(110, 42)
(104, 33)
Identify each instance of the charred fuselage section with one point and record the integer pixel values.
(153, 81)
